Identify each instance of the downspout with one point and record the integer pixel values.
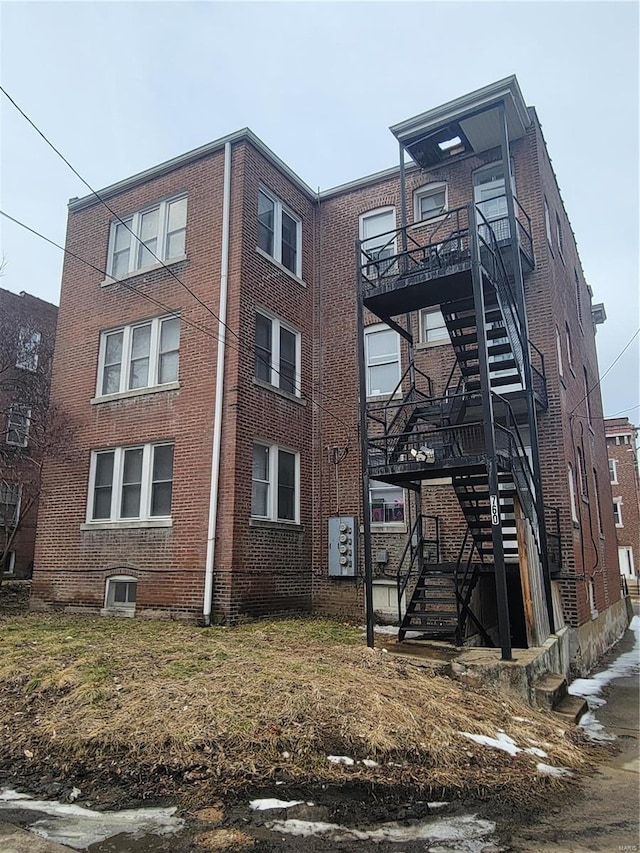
(219, 391)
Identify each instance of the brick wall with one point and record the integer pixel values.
(622, 448)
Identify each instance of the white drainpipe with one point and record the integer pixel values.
(217, 413)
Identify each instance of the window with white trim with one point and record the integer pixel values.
(559, 235)
(382, 359)
(587, 393)
(386, 502)
(429, 202)
(148, 237)
(378, 236)
(279, 232)
(120, 594)
(578, 296)
(18, 421)
(613, 471)
(131, 483)
(547, 222)
(277, 353)
(617, 512)
(596, 497)
(10, 563)
(569, 346)
(9, 503)
(433, 329)
(143, 355)
(559, 352)
(275, 494)
(572, 493)
(582, 473)
(28, 345)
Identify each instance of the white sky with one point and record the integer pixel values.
(121, 86)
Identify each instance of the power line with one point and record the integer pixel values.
(174, 312)
(113, 213)
(614, 362)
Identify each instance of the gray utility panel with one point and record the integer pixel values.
(343, 540)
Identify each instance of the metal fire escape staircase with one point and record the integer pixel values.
(414, 437)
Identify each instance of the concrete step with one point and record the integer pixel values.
(550, 690)
(571, 708)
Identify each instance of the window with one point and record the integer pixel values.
(18, 421)
(140, 356)
(378, 235)
(120, 595)
(429, 202)
(382, 360)
(131, 483)
(148, 237)
(625, 560)
(490, 199)
(572, 493)
(10, 563)
(582, 473)
(275, 484)
(587, 392)
(277, 354)
(613, 471)
(9, 503)
(433, 328)
(617, 512)
(569, 346)
(559, 235)
(596, 497)
(279, 232)
(28, 345)
(387, 503)
(547, 222)
(559, 352)
(578, 296)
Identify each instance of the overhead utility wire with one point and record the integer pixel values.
(113, 213)
(174, 312)
(599, 382)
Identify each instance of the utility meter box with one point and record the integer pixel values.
(343, 546)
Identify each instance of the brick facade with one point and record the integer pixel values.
(622, 450)
(266, 566)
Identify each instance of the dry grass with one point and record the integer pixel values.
(245, 706)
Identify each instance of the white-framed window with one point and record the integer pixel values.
(378, 236)
(625, 560)
(622, 439)
(9, 503)
(28, 345)
(382, 359)
(277, 353)
(430, 202)
(490, 199)
(547, 222)
(148, 237)
(275, 494)
(386, 502)
(559, 235)
(120, 594)
(578, 297)
(572, 493)
(10, 565)
(279, 232)
(18, 421)
(143, 355)
(613, 471)
(559, 352)
(569, 346)
(587, 393)
(617, 512)
(596, 497)
(433, 329)
(582, 473)
(131, 483)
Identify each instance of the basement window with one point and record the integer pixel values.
(120, 596)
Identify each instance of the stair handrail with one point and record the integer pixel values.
(402, 582)
(521, 456)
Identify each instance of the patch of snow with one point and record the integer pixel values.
(503, 742)
(533, 750)
(594, 730)
(341, 759)
(392, 630)
(270, 803)
(549, 770)
(369, 762)
(460, 831)
(79, 827)
(521, 720)
(438, 805)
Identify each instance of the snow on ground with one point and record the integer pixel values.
(505, 743)
(270, 803)
(550, 770)
(466, 833)
(79, 827)
(341, 759)
(590, 688)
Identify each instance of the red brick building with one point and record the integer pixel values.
(622, 450)
(211, 372)
(27, 334)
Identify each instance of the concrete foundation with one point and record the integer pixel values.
(589, 642)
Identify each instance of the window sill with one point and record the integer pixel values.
(280, 266)
(431, 344)
(136, 392)
(143, 270)
(120, 612)
(127, 525)
(389, 527)
(266, 524)
(619, 526)
(267, 386)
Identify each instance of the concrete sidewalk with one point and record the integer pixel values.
(14, 840)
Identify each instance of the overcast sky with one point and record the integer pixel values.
(121, 86)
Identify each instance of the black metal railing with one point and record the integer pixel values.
(538, 374)
(394, 413)
(428, 445)
(509, 443)
(413, 557)
(554, 542)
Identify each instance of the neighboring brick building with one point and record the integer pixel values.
(183, 501)
(622, 449)
(27, 333)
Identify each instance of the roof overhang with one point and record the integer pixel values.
(469, 124)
